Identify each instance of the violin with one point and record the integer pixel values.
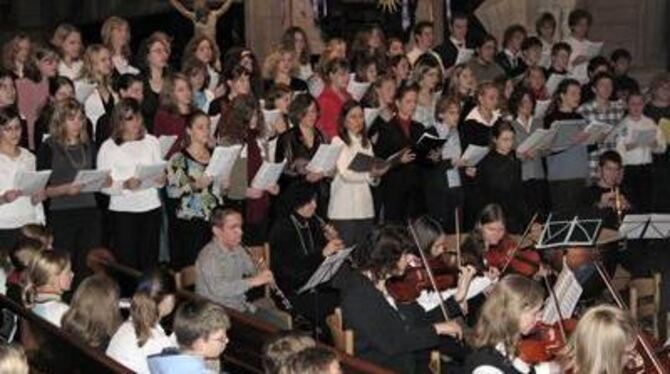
(409, 286)
(641, 363)
(525, 262)
(544, 343)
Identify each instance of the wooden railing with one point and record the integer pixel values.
(247, 334)
(55, 351)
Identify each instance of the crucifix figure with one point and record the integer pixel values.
(203, 17)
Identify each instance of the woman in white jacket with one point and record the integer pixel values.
(351, 208)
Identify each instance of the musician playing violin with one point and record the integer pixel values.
(496, 250)
(511, 311)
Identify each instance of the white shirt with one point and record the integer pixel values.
(73, 72)
(638, 155)
(214, 78)
(451, 150)
(123, 347)
(94, 108)
(122, 161)
(51, 310)
(520, 365)
(350, 195)
(122, 66)
(20, 211)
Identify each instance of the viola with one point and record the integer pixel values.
(409, 286)
(641, 362)
(544, 343)
(524, 262)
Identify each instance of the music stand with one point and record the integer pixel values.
(575, 232)
(645, 226)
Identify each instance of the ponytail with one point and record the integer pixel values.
(144, 307)
(40, 272)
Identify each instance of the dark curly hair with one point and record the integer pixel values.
(380, 252)
(234, 124)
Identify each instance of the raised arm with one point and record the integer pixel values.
(182, 9)
(222, 9)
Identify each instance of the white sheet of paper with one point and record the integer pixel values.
(148, 174)
(370, 116)
(545, 59)
(473, 154)
(29, 182)
(327, 269)
(594, 49)
(91, 180)
(597, 132)
(580, 73)
(644, 138)
(464, 55)
(553, 82)
(271, 117)
(325, 158)
(429, 300)
(221, 164)
(357, 89)
(539, 140)
(541, 107)
(567, 290)
(565, 132)
(268, 175)
(166, 142)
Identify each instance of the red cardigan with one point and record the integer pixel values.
(330, 106)
(167, 123)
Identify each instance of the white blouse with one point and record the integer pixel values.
(51, 310)
(73, 72)
(123, 347)
(122, 66)
(638, 155)
(350, 195)
(20, 211)
(122, 160)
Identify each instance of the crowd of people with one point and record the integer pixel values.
(416, 111)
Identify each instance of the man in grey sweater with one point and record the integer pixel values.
(224, 270)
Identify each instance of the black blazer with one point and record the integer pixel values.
(448, 52)
(390, 140)
(506, 64)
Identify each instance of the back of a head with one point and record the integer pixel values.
(314, 360)
(13, 360)
(277, 351)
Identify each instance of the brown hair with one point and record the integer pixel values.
(271, 62)
(444, 103)
(88, 70)
(108, 27)
(61, 33)
(152, 289)
(167, 99)
(279, 349)
(63, 111)
(342, 131)
(313, 360)
(190, 120)
(10, 49)
(192, 46)
(234, 124)
(288, 41)
(123, 109)
(197, 319)
(499, 317)
(94, 312)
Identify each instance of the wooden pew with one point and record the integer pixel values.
(59, 352)
(247, 334)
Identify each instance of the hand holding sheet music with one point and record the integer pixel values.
(567, 133)
(268, 175)
(357, 89)
(428, 142)
(643, 138)
(597, 132)
(221, 164)
(325, 159)
(473, 155)
(464, 55)
(150, 175)
(92, 180)
(539, 140)
(29, 182)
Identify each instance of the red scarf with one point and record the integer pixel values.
(256, 208)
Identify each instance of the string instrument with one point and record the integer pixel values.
(408, 287)
(507, 254)
(545, 341)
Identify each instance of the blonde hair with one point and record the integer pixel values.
(454, 82)
(107, 30)
(152, 289)
(94, 312)
(602, 336)
(272, 61)
(499, 317)
(11, 48)
(13, 360)
(63, 111)
(61, 33)
(167, 99)
(88, 70)
(43, 270)
(277, 351)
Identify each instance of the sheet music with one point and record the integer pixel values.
(464, 55)
(643, 138)
(580, 73)
(545, 59)
(148, 174)
(593, 49)
(29, 182)
(541, 108)
(91, 180)
(370, 115)
(553, 82)
(597, 132)
(221, 164)
(357, 89)
(539, 140)
(268, 175)
(645, 226)
(325, 158)
(566, 131)
(567, 290)
(271, 117)
(474, 154)
(166, 142)
(327, 269)
(429, 300)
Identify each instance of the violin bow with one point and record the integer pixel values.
(457, 222)
(617, 298)
(518, 245)
(554, 298)
(429, 271)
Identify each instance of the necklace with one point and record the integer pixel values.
(299, 227)
(78, 164)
